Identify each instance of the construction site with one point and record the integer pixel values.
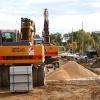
(35, 69)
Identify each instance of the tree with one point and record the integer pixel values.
(36, 36)
(96, 38)
(56, 38)
(83, 39)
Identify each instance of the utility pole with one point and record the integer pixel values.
(82, 38)
(82, 26)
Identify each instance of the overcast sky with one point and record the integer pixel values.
(63, 14)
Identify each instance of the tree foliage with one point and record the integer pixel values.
(56, 39)
(36, 36)
(96, 38)
(83, 39)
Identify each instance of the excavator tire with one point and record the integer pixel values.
(41, 76)
(35, 76)
(38, 76)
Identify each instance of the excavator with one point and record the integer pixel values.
(51, 51)
(23, 53)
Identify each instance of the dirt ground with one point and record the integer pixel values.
(58, 90)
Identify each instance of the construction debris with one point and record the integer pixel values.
(96, 64)
(95, 67)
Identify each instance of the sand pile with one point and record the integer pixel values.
(70, 70)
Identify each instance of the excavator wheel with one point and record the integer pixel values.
(38, 76)
(41, 76)
(34, 75)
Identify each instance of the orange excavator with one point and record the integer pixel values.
(51, 51)
(24, 52)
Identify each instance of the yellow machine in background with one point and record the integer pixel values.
(51, 51)
(61, 49)
(72, 45)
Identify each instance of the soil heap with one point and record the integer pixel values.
(70, 70)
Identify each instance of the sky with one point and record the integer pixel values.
(64, 15)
